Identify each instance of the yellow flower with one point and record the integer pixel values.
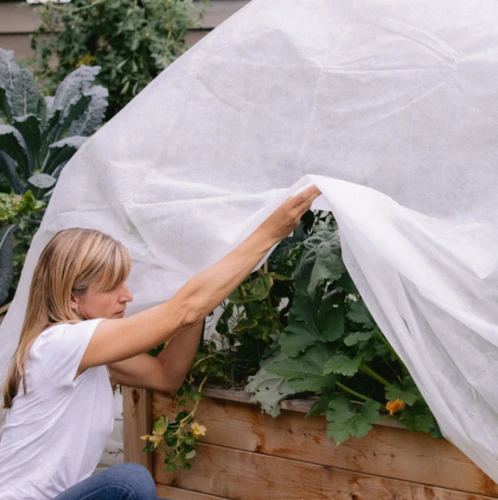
(394, 406)
(198, 429)
(156, 439)
(86, 60)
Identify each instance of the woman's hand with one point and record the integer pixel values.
(119, 339)
(287, 217)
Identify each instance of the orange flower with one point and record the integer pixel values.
(394, 406)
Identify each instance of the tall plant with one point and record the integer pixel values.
(131, 40)
(40, 134)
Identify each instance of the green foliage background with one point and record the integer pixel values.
(131, 40)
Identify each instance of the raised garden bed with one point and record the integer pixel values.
(247, 455)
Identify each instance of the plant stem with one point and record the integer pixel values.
(76, 9)
(351, 391)
(368, 371)
(390, 347)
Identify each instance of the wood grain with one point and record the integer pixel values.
(171, 493)
(137, 421)
(241, 475)
(386, 451)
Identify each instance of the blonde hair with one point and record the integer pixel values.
(72, 261)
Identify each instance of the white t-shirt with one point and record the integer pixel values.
(55, 434)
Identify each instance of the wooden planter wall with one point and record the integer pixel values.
(246, 455)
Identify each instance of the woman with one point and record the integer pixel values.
(74, 337)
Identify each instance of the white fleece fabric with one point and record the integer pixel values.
(390, 107)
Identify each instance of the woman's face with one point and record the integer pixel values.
(98, 304)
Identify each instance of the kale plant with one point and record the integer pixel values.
(40, 134)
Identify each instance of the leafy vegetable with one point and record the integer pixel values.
(41, 134)
(345, 422)
(268, 389)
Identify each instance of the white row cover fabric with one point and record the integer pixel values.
(392, 105)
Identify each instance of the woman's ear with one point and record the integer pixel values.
(74, 302)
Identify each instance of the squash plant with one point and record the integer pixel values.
(299, 328)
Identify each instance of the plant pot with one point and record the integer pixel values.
(247, 455)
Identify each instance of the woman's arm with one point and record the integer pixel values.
(118, 339)
(167, 371)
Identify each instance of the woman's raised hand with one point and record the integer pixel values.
(287, 217)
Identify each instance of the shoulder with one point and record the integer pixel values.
(62, 334)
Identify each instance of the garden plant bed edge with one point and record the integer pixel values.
(249, 455)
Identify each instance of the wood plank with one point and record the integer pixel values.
(391, 452)
(241, 475)
(137, 421)
(18, 17)
(192, 37)
(218, 11)
(20, 44)
(171, 493)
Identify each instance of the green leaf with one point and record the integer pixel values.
(171, 467)
(320, 406)
(190, 455)
(94, 114)
(346, 283)
(160, 425)
(268, 389)
(345, 422)
(255, 290)
(302, 330)
(12, 206)
(6, 266)
(76, 83)
(62, 151)
(331, 319)
(342, 365)
(73, 111)
(12, 143)
(245, 324)
(5, 105)
(9, 70)
(319, 262)
(418, 418)
(359, 313)
(357, 337)
(29, 128)
(328, 267)
(408, 392)
(305, 373)
(8, 168)
(25, 97)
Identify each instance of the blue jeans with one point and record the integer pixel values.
(121, 482)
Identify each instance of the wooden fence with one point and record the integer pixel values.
(18, 20)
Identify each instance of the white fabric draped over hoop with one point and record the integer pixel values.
(392, 105)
